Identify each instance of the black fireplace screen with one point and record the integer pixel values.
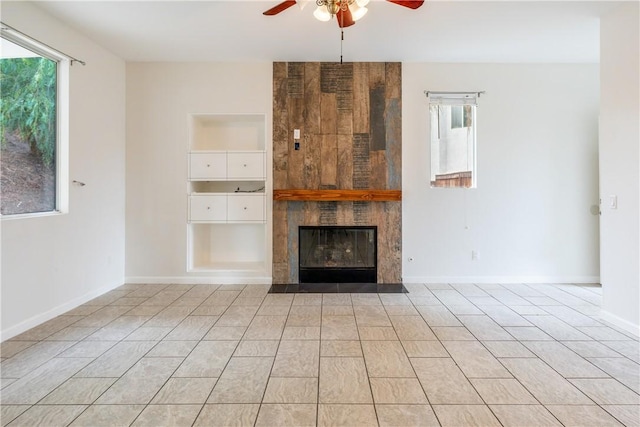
(337, 254)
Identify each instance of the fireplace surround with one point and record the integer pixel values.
(337, 254)
(347, 168)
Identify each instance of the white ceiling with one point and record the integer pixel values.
(440, 31)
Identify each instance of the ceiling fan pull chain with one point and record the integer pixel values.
(341, 40)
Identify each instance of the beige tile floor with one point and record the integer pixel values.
(205, 355)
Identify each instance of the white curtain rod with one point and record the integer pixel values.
(440, 92)
(9, 29)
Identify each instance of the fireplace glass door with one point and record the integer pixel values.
(337, 254)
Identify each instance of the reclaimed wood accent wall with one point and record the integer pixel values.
(349, 116)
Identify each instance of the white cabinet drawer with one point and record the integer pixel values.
(208, 208)
(245, 165)
(245, 207)
(205, 166)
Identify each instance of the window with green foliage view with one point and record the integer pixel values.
(28, 127)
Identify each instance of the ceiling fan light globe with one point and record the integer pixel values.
(322, 14)
(362, 3)
(357, 11)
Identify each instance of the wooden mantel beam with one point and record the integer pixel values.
(337, 195)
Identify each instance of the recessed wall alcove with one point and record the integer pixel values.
(350, 152)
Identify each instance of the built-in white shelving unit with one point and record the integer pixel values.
(227, 209)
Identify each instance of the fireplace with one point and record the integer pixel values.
(337, 254)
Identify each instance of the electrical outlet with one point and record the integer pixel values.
(475, 255)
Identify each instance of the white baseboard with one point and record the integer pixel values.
(200, 280)
(623, 324)
(38, 319)
(501, 279)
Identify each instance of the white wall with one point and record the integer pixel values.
(51, 264)
(530, 219)
(159, 98)
(619, 164)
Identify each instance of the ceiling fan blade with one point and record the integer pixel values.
(411, 4)
(280, 7)
(344, 18)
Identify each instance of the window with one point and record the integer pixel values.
(33, 81)
(453, 139)
(460, 116)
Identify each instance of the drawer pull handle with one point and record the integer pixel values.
(208, 165)
(208, 208)
(245, 208)
(245, 165)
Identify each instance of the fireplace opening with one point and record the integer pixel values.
(337, 254)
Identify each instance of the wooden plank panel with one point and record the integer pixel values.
(295, 79)
(361, 163)
(344, 87)
(328, 114)
(311, 147)
(295, 159)
(345, 123)
(329, 161)
(362, 215)
(279, 70)
(328, 213)
(338, 195)
(377, 73)
(393, 80)
(311, 213)
(280, 130)
(280, 125)
(360, 97)
(329, 77)
(388, 217)
(393, 128)
(280, 273)
(344, 215)
(280, 230)
(295, 216)
(378, 161)
(312, 97)
(295, 113)
(378, 218)
(281, 179)
(345, 162)
(377, 106)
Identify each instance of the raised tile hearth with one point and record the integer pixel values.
(338, 288)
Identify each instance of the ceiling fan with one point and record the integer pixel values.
(347, 12)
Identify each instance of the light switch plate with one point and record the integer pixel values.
(296, 134)
(613, 202)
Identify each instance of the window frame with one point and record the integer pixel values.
(454, 99)
(63, 65)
